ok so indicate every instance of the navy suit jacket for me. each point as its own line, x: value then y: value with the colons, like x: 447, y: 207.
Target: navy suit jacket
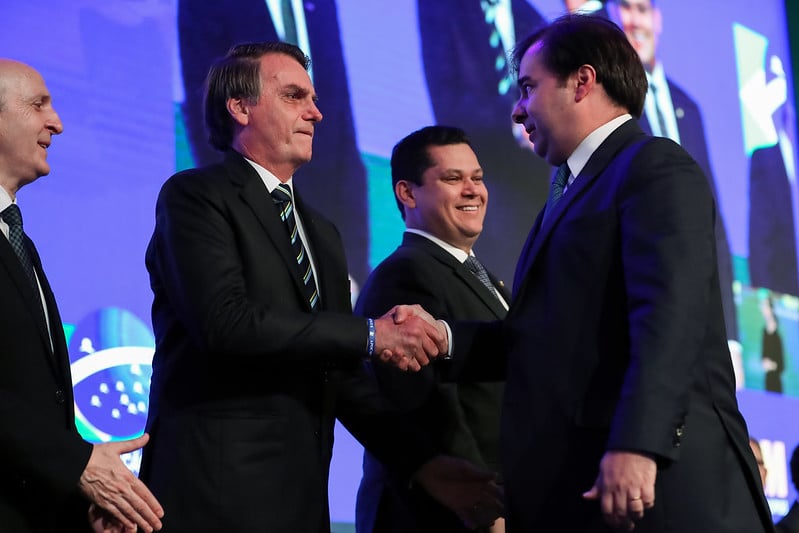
x: 43, y: 456
x: 692, y: 137
x: 247, y: 380
x: 615, y: 341
x: 772, y: 241
x: 336, y: 177
x: 463, y: 418
x: 462, y: 75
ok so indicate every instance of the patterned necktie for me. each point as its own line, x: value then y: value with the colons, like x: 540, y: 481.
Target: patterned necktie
x: 557, y: 188
x: 480, y: 272
x: 282, y: 198
x: 13, y: 217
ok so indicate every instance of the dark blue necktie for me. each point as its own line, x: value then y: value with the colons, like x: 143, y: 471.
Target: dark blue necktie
x: 557, y: 188
x: 13, y: 217
x: 282, y: 197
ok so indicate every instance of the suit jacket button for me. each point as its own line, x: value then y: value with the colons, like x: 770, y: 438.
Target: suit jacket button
x: 59, y: 397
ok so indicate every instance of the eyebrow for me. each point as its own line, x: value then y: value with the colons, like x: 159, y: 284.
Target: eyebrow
x: 293, y: 87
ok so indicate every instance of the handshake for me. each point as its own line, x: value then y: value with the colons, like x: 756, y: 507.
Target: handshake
x: 408, y: 337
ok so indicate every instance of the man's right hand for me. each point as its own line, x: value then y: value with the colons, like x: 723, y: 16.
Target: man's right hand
x: 470, y: 492
x: 408, y: 337
x: 112, y: 487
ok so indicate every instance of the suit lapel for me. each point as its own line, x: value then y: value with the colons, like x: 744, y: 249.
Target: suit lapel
x: 254, y: 193
x: 60, y: 353
x: 592, y: 171
x: 17, y: 273
x: 460, y: 270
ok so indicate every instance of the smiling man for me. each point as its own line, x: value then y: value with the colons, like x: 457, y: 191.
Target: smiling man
x: 48, y: 474
x: 439, y: 188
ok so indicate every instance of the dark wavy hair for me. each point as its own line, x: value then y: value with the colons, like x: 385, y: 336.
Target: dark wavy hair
x: 575, y: 40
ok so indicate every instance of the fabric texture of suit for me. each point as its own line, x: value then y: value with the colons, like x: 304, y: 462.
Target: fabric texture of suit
x: 457, y: 53
x: 772, y: 241
x: 789, y: 522
x: 615, y: 341
x: 43, y: 456
x: 336, y: 177
x: 463, y: 419
x: 692, y: 137
x: 247, y: 381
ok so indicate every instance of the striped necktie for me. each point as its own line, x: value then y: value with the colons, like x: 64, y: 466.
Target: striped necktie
x: 282, y: 198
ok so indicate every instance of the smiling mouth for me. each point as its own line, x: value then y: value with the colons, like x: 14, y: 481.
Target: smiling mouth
x: 469, y: 208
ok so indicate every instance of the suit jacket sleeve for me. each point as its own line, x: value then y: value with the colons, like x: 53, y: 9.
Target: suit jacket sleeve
x: 198, y: 258
x: 669, y: 268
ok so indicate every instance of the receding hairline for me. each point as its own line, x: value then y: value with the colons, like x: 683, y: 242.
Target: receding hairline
x: 11, y: 69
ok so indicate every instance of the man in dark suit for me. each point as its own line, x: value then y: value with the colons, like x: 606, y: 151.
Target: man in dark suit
x: 790, y: 522
x: 464, y: 45
x: 206, y: 30
x: 50, y: 478
x: 257, y: 350
x: 772, y: 236
x: 670, y: 112
x: 619, y: 406
x: 438, y: 183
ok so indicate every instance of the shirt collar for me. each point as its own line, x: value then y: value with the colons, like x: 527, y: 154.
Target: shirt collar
x: 5, y: 199
x: 269, y: 179
x: 456, y: 252
x: 585, y: 149
x: 657, y: 77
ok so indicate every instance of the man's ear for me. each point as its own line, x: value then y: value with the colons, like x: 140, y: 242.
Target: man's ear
x: 404, y: 191
x: 586, y: 81
x: 239, y: 110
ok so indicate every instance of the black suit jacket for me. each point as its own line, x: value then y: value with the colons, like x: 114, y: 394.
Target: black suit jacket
x: 42, y: 453
x: 615, y: 341
x: 336, y: 177
x: 772, y: 241
x: 790, y: 522
x: 692, y: 137
x: 247, y: 381
x: 456, y: 50
x: 463, y: 419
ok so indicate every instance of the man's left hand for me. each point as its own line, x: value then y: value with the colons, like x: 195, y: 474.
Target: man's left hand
x: 625, y: 488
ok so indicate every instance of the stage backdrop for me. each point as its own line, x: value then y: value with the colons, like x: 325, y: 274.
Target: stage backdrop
x: 124, y: 76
